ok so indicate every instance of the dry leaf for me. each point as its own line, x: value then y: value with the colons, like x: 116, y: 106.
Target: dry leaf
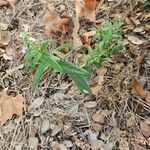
x: 138, y: 88
x: 96, y: 89
x: 53, y: 23
x: 86, y: 8
x: 131, y: 121
x: 145, y: 128
x: 90, y: 104
x: 140, y: 58
x: 135, y: 40
x: 123, y: 144
x: 86, y: 37
x: 97, y: 127
x: 4, y: 40
x: 98, y: 118
x: 9, y: 106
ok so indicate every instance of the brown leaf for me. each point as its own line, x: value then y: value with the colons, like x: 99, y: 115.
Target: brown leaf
x: 145, y: 128
x: 9, y: 106
x: 96, y: 89
x: 86, y: 37
x: 140, y: 58
x: 97, y: 127
x: 86, y: 8
x: 138, y: 88
x: 4, y: 40
x: 53, y: 23
x: 98, y: 118
x: 123, y: 144
x: 135, y: 40
x: 131, y: 121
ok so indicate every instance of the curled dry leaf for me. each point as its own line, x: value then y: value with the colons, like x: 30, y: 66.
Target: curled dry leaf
x: 9, y: 106
x: 53, y: 23
x: 138, y: 88
x: 135, y: 40
x: 86, y: 37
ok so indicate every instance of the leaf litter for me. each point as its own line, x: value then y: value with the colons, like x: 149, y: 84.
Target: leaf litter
x: 119, y: 99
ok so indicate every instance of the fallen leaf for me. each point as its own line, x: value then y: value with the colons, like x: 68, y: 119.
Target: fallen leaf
x: 138, y: 30
x: 97, y: 127
x: 53, y: 23
x: 138, y: 88
x: 37, y: 103
x: 4, y: 40
x: 98, y: 118
x: 135, y: 40
x: 123, y: 144
x: 86, y: 37
x: 10, y: 105
x: 145, y: 129
x: 86, y: 8
x: 140, y: 58
x: 135, y: 21
x: 90, y: 104
x: 96, y: 89
x: 131, y: 121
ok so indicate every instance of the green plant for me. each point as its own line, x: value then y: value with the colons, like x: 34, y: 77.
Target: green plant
x: 106, y: 41
x: 37, y: 58
x: 146, y: 3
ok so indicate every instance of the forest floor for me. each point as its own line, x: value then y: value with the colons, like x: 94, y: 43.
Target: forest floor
x: 57, y: 116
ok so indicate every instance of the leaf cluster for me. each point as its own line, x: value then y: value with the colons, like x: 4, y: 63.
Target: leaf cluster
x: 37, y: 58
x: 106, y: 42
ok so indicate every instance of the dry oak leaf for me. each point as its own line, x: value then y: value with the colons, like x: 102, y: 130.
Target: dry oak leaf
x: 9, y: 106
x: 53, y: 23
x: 86, y: 8
x: 138, y: 88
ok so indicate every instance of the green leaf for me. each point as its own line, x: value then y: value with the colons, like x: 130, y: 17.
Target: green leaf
x: 52, y: 62
x: 38, y: 74
x: 80, y: 82
x: 72, y: 68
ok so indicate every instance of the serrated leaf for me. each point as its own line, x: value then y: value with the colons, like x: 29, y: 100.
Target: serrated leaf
x: 52, y: 62
x: 38, y: 74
